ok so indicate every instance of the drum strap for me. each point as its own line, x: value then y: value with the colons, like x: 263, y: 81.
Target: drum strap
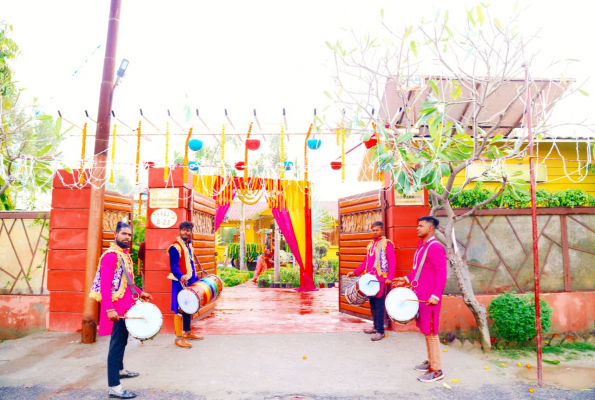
x: 130, y: 283
x: 421, y: 264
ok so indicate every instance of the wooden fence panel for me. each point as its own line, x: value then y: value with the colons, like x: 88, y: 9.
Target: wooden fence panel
x: 23, y: 252
x: 356, y: 214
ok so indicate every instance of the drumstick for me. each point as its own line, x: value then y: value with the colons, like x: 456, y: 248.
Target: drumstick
x: 125, y: 317
x: 419, y: 301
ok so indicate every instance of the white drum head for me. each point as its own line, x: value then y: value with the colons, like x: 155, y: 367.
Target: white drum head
x: 368, y: 284
x: 188, y: 301
x: 146, y: 320
x: 398, y: 307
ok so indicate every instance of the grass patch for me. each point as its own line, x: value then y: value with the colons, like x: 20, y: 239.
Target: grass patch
x: 567, y: 351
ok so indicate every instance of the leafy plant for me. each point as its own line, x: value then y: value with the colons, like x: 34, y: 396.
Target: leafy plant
x: 320, y: 248
x: 517, y: 197
x: 138, y: 236
x: 253, y: 250
x: 288, y: 275
x: 233, y: 251
x: 29, y: 139
x: 514, y: 317
x: 233, y: 277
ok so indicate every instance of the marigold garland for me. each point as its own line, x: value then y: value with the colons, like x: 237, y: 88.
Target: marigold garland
x: 223, y: 150
x: 186, y: 156
x: 166, y: 169
x: 82, y: 171
x: 137, y: 149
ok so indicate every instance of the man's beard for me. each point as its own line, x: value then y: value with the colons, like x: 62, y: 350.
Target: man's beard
x: 122, y: 244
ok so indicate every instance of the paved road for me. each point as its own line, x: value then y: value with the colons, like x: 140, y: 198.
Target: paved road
x: 272, y: 366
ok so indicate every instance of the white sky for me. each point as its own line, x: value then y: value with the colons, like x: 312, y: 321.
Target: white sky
x: 239, y: 56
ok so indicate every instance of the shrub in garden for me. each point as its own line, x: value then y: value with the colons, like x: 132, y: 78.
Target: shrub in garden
x: 514, y: 317
x: 233, y: 277
x: 519, y: 198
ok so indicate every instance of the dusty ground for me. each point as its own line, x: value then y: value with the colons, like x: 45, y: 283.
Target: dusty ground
x: 343, y: 365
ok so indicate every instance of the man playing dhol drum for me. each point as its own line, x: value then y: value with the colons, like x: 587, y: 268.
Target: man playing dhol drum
x: 114, y: 288
x: 181, y: 265
x: 428, y: 284
x: 381, y: 262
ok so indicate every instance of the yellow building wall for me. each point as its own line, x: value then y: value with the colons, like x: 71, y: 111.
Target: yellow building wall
x: 220, y: 253
x: 332, y: 253
x: 565, y: 167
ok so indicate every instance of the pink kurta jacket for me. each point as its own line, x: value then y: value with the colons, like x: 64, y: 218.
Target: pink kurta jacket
x: 431, y: 282
x: 122, y: 305
x: 367, y: 265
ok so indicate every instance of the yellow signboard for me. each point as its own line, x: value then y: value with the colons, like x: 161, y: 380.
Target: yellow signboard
x: 413, y: 199
x: 164, y: 198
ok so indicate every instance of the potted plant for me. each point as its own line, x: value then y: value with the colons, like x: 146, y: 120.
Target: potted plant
x: 253, y: 250
x: 233, y: 252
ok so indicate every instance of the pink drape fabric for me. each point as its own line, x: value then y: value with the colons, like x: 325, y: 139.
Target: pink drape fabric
x: 220, y: 213
x: 284, y: 221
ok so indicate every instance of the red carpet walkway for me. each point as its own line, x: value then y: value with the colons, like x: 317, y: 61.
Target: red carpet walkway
x: 249, y: 309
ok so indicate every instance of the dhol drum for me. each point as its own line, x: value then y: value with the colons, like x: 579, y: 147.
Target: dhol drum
x: 201, y: 293
x: 401, y: 305
x: 368, y: 284
x: 353, y: 295
x: 218, y: 282
x: 359, y: 290
x: 188, y: 301
x: 143, y: 320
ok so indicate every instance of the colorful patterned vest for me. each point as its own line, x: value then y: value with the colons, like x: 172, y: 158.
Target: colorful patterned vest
x: 118, y: 284
x: 378, y: 249
x: 186, y: 258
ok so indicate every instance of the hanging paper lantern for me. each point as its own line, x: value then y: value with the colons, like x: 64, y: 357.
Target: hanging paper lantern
x: 195, y: 144
x: 253, y: 144
x: 336, y: 165
x: 288, y: 165
x: 193, y: 165
x: 314, y: 144
x: 370, y: 142
x: 240, y: 166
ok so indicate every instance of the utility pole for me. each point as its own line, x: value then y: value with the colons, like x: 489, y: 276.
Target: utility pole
x: 535, y: 234
x: 97, y: 179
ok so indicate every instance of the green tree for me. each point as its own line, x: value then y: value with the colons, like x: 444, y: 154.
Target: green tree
x: 445, y: 123
x: 29, y: 139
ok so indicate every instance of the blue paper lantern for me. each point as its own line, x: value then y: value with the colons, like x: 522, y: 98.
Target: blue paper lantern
x: 195, y: 144
x: 193, y: 165
x: 314, y: 144
x: 288, y: 165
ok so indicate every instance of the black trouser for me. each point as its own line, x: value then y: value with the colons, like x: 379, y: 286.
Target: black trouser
x: 186, y: 318
x: 377, y: 308
x: 115, y: 357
